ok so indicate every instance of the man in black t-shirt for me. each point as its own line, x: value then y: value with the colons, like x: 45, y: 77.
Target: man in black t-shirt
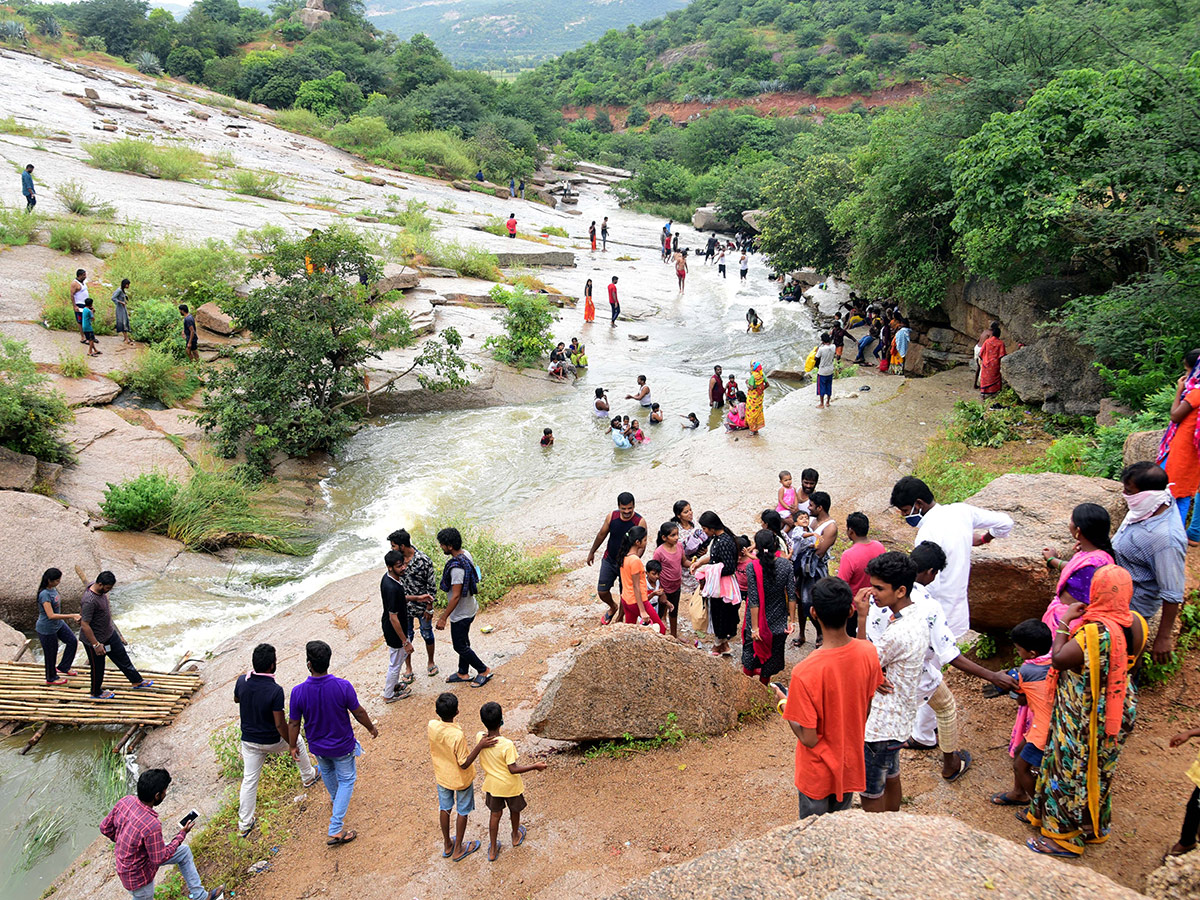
x: 264, y: 730
x: 395, y: 614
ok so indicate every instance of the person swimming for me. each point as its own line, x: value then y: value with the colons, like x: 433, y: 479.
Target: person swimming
x: 617, y: 431
x: 753, y: 322
x: 692, y: 421
x: 656, y: 414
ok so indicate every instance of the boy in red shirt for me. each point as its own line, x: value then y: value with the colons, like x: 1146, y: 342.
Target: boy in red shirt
x: 827, y: 703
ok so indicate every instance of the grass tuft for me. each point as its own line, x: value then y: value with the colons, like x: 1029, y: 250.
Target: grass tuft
x: 266, y: 185
x: 73, y: 365
x: 74, y: 197
x: 172, y: 162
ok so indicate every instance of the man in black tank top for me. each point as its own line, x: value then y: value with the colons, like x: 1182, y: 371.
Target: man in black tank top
x: 616, y: 526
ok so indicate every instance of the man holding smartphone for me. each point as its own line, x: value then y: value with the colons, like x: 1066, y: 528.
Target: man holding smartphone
x: 134, y: 828
x: 101, y: 638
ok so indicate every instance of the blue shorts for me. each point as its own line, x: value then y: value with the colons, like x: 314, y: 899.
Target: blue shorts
x: 426, y: 626
x: 1032, y: 755
x: 824, y: 385
x: 883, y: 762
x: 463, y: 801
x: 608, y: 575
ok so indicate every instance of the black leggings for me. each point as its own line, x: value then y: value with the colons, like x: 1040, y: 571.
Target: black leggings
x: 120, y: 659
x: 460, y: 637
x: 724, y: 618
x: 50, y: 644
x: 1191, y: 820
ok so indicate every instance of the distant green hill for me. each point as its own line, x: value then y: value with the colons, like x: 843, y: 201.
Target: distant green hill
x: 498, y: 34
x: 738, y: 48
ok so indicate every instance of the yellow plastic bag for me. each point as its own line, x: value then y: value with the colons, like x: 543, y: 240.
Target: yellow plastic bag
x: 698, y: 610
x: 811, y: 362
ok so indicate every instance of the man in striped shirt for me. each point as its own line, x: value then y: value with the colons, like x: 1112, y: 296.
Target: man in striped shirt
x: 133, y: 826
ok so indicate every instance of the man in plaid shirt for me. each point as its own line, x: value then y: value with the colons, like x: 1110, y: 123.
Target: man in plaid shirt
x: 134, y: 827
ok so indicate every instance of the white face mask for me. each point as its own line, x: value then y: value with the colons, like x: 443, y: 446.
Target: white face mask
x: 1144, y: 504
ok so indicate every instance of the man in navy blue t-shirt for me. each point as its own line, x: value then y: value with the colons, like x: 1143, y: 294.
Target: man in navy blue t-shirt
x: 264, y: 730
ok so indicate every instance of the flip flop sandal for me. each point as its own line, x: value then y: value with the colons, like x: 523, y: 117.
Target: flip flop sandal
x: 70, y: 672
x: 56, y: 682
x: 521, y: 837
x: 143, y: 685
x: 964, y: 757
x: 470, y: 848
x: 446, y: 854
x: 1002, y: 799
x: 340, y: 839
x: 1023, y: 816
x: 432, y: 670
x: 910, y: 744
x: 457, y: 679
x: 492, y: 858
x: 107, y: 695
x: 1037, y: 846
x: 408, y: 678
x: 481, y: 680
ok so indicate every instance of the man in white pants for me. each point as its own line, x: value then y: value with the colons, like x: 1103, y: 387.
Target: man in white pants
x: 264, y: 730
x: 956, y: 528
x: 395, y: 614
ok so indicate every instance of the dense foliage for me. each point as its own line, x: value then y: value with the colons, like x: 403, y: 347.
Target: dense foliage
x: 31, y: 418
x: 527, y: 318
x: 315, y: 330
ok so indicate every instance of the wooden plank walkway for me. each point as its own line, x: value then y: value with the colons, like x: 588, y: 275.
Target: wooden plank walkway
x: 25, y: 697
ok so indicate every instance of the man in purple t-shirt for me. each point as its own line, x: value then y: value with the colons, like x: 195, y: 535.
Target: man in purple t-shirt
x: 325, y: 703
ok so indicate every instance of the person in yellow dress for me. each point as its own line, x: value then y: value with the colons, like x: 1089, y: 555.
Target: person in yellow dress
x: 755, y: 389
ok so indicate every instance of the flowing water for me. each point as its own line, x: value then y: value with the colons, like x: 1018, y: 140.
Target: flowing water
x: 416, y: 470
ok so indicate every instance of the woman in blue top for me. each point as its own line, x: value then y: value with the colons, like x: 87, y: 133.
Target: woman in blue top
x: 52, y: 627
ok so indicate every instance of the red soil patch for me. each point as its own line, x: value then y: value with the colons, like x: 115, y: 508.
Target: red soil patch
x: 782, y: 104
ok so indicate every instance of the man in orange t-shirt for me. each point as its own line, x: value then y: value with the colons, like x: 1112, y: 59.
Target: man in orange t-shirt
x: 827, y: 703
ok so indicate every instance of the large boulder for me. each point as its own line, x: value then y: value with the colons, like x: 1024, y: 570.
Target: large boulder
x: 1009, y: 578
x: 1142, y: 446
x: 12, y: 642
x: 753, y: 218
x: 855, y: 855
x: 706, y: 218
x: 37, y: 533
x: 1178, y: 878
x: 648, y: 677
x: 1055, y: 371
x: 18, y: 471
x: 212, y: 318
x: 396, y: 278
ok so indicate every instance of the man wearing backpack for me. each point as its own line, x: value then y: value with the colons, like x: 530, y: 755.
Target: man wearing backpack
x: 460, y: 582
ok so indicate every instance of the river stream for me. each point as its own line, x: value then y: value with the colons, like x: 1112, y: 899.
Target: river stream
x: 417, y: 470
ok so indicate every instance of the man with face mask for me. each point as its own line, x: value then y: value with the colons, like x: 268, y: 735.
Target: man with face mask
x: 956, y: 528
x: 1152, y: 545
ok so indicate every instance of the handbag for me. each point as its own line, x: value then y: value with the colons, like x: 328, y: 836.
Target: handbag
x: 698, y: 610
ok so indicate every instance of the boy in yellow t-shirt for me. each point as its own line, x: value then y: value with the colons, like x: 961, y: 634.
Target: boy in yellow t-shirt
x: 502, y: 783
x: 1191, y: 816
x: 454, y: 769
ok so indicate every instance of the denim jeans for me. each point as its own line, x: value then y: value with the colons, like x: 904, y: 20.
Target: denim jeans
x: 460, y: 637
x: 426, y: 626
x: 339, y: 774
x: 253, y: 757
x: 1193, y: 504
x: 50, y: 643
x: 187, y: 870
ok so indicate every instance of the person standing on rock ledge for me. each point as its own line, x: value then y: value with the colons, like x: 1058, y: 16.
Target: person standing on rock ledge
x: 956, y: 528
x: 615, y: 527
x: 613, y: 301
x: 102, y: 639
x: 191, y: 340
x: 420, y: 588
x: 460, y: 582
x: 511, y: 225
x: 27, y: 188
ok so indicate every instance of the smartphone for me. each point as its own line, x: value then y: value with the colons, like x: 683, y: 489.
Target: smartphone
x: 779, y: 684
x: 188, y: 819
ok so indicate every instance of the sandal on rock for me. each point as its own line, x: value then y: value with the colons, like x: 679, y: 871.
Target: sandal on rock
x: 457, y: 679
x: 344, y: 838
x: 432, y: 670
x: 408, y: 678
x: 964, y: 757
x: 1041, y: 845
x: 468, y: 848
x: 481, y: 679
x: 1002, y: 799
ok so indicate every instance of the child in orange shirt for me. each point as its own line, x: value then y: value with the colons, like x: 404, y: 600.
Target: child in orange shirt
x: 1033, y: 640
x: 635, y: 591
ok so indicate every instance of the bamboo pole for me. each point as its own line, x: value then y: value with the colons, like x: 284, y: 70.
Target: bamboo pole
x: 37, y: 736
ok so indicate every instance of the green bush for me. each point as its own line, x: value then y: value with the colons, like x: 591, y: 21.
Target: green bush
x: 527, y: 319
x: 360, y: 133
x: 73, y: 365
x: 1064, y: 456
x: 978, y: 426
x: 165, y: 267
x: 418, y: 149
x: 17, y: 227
x: 504, y: 566
x: 412, y: 217
x: 77, y: 237
x: 267, y: 185
x: 93, y: 43
x: 140, y: 504
x: 75, y: 198
x: 158, y: 324
x: 31, y: 417
x: 155, y: 375
x: 554, y: 230
x: 301, y: 121
x: 172, y: 162
x: 467, y: 260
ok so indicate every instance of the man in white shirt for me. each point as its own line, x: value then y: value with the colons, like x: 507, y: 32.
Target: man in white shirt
x: 826, y: 366
x: 956, y: 528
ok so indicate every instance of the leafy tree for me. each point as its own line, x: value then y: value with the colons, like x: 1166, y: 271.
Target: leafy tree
x: 121, y: 23
x: 527, y: 320
x: 314, y: 334
x: 798, y: 229
x: 636, y: 116
x: 418, y: 62
x: 31, y: 417
x: 331, y: 94
x: 448, y: 104
x: 186, y: 62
